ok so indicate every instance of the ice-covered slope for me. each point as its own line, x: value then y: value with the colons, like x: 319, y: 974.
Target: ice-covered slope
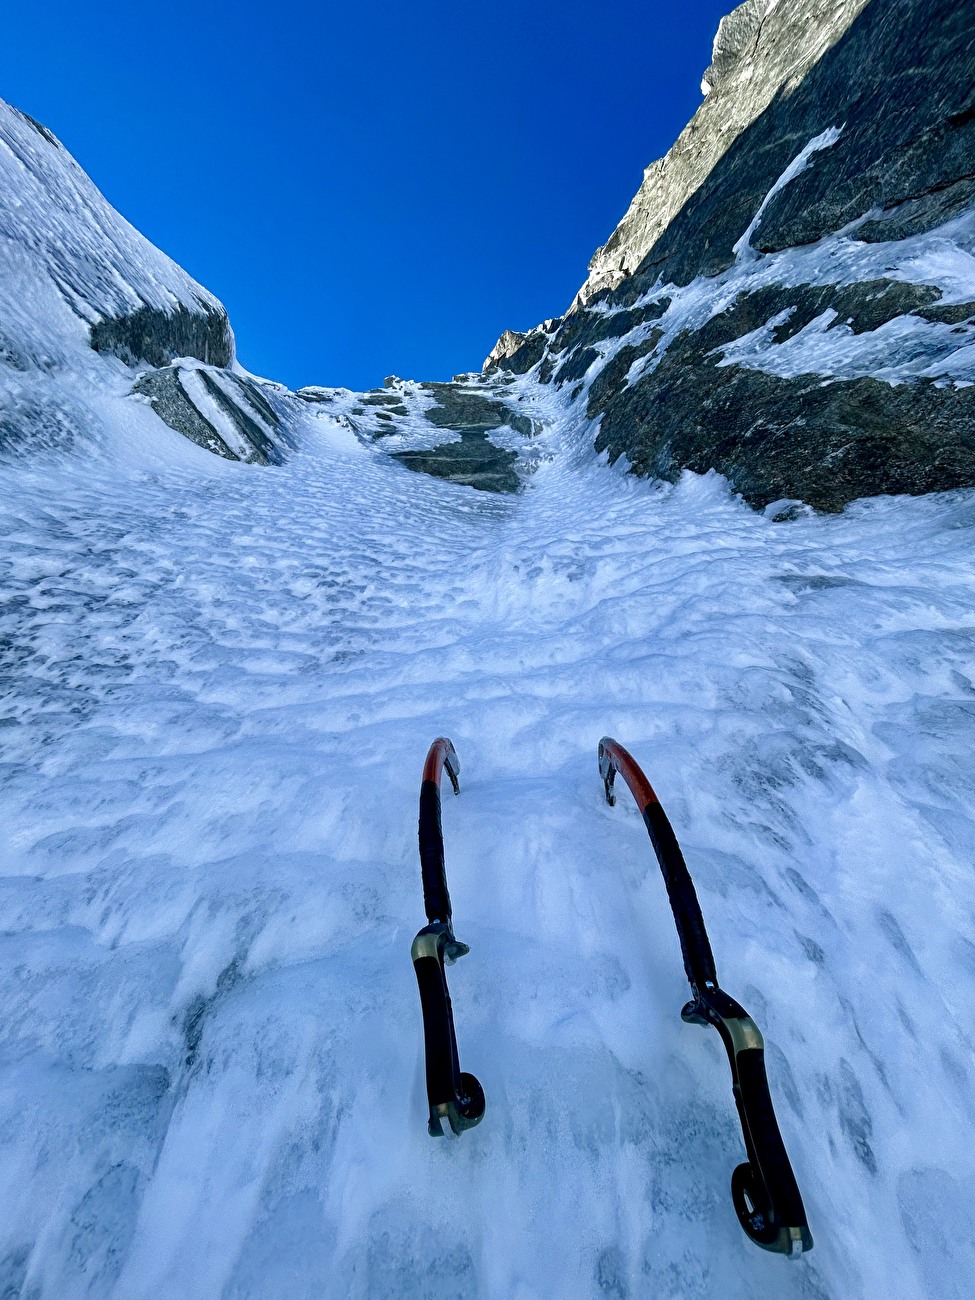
x: 219, y: 685
x: 219, y: 682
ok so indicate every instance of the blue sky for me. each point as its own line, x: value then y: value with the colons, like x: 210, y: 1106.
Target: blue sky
x: 369, y: 188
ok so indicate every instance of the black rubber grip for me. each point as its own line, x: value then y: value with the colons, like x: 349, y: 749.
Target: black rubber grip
x: 439, y: 1039
x: 436, y: 899
x: 694, y: 943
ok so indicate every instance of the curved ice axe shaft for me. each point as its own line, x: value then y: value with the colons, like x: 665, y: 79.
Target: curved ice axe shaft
x: 764, y: 1191
x: 455, y: 1098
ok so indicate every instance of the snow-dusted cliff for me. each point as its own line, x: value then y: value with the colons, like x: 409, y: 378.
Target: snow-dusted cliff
x: 791, y: 298
x: 762, y: 49
x: 123, y: 294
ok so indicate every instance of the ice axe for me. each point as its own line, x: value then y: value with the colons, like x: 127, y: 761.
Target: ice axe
x: 456, y: 1099
x: 764, y: 1190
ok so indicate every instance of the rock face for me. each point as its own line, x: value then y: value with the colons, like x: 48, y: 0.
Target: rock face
x: 467, y: 411
x: 474, y: 461
x: 519, y: 352
x: 898, y: 89
x: 763, y: 48
x: 157, y: 337
x: 791, y: 297
x: 793, y: 437
x: 219, y: 411
x: 468, y: 431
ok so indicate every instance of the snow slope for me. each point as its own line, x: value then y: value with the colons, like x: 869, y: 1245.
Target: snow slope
x: 219, y: 686
x: 69, y: 233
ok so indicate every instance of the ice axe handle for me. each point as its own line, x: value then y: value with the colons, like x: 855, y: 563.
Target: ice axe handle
x: 764, y: 1191
x: 456, y: 1099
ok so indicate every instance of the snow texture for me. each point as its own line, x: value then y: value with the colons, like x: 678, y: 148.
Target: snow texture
x: 219, y: 686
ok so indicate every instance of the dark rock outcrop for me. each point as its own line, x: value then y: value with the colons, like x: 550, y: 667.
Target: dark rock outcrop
x: 390, y: 401
x: 825, y: 444
x: 780, y: 436
x: 466, y: 407
x: 459, y: 408
x: 474, y: 461
x: 218, y: 410
x: 516, y: 352
x: 611, y: 380
x: 153, y: 337
x: 584, y: 329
